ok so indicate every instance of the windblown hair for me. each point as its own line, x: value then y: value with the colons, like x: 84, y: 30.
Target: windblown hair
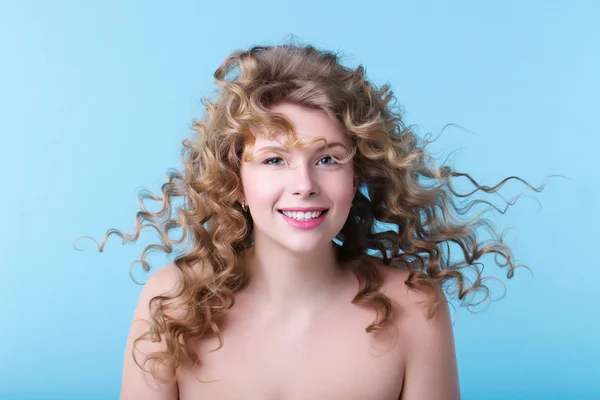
x: 404, y: 212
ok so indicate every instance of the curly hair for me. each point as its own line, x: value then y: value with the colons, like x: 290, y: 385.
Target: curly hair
x: 396, y: 219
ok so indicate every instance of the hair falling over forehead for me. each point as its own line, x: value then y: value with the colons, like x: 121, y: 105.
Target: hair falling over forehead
x: 296, y: 143
x: 404, y: 212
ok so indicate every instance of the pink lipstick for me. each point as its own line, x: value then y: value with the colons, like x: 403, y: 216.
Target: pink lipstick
x: 307, y: 224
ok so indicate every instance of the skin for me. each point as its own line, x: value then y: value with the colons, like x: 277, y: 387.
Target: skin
x: 293, y: 271
x: 293, y: 332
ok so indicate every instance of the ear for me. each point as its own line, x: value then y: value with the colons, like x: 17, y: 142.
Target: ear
x: 240, y: 197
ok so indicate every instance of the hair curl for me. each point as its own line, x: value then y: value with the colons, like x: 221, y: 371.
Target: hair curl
x: 395, y: 214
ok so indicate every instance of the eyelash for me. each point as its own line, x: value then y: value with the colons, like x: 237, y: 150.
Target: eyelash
x: 268, y: 160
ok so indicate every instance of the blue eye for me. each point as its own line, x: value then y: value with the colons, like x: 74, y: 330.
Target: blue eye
x: 274, y: 161
x: 332, y: 161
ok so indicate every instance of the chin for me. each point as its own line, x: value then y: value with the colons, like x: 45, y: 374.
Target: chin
x: 305, y: 246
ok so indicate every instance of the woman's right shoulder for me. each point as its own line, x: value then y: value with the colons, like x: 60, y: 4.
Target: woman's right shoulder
x: 160, y: 283
x: 165, y: 277
x: 135, y: 385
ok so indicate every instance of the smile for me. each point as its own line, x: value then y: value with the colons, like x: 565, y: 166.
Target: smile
x: 303, y: 220
x: 303, y: 216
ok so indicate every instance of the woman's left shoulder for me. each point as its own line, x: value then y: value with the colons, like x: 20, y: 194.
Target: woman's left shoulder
x: 410, y: 300
x: 424, y: 322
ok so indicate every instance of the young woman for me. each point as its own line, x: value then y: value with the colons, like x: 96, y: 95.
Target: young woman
x: 316, y: 254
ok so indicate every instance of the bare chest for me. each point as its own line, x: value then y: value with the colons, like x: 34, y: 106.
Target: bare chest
x: 332, y: 358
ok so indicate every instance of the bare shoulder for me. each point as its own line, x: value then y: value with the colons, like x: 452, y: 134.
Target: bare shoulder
x: 395, y: 288
x: 164, y: 279
x: 407, y: 299
x: 135, y: 384
x: 161, y: 282
x: 429, y: 338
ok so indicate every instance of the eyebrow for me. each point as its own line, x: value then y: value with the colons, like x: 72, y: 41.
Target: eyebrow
x: 284, y: 150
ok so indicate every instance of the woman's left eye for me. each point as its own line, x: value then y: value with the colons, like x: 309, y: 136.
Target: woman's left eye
x: 329, y: 159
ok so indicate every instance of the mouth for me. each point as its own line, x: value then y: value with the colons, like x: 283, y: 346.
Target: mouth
x: 303, y: 216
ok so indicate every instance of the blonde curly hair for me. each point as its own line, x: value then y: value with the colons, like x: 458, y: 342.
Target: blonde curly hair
x: 395, y: 215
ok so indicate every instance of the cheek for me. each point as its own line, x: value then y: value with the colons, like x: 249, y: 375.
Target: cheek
x: 349, y: 192
x: 341, y: 189
x: 257, y: 187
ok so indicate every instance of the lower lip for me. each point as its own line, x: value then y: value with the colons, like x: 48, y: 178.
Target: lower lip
x: 308, y: 224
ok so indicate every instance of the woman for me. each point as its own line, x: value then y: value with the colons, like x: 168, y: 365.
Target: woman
x: 316, y: 253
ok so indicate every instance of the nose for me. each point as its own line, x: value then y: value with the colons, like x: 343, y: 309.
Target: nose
x: 303, y: 181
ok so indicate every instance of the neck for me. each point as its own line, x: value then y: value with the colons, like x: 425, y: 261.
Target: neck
x: 283, y: 283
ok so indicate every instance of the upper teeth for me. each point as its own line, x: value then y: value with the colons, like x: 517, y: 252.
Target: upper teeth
x: 299, y: 215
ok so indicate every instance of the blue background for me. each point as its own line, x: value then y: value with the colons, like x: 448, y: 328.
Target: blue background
x: 95, y: 99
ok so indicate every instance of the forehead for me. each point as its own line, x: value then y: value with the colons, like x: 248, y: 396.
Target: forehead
x: 308, y: 124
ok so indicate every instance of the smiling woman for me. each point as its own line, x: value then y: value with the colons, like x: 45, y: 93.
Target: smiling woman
x: 291, y: 289
x: 313, y: 178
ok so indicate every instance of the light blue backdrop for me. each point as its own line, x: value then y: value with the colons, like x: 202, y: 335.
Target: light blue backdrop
x: 95, y: 99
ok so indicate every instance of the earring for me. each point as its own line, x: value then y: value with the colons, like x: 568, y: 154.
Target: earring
x: 244, y: 206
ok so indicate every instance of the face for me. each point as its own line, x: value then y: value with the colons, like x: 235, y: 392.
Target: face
x: 280, y: 182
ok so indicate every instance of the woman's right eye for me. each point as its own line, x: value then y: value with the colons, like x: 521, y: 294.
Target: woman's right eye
x: 274, y: 161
